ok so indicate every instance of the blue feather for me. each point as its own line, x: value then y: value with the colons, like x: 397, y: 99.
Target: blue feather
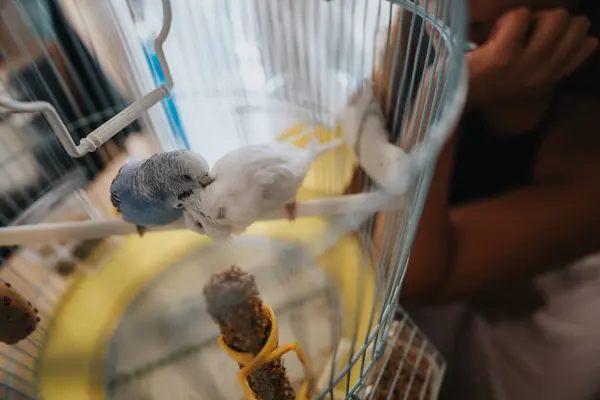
x: 144, y: 192
x: 147, y: 209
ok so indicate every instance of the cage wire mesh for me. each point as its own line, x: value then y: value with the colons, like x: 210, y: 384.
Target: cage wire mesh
x: 245, y: 71
x: 42, y: 58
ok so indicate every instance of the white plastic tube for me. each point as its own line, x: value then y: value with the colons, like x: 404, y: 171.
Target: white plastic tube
x: 326, y: 207
x: 113, y: 126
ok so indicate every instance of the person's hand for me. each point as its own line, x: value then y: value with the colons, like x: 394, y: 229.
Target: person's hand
x: 527, y: 54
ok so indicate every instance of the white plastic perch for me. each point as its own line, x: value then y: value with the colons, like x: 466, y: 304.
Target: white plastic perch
x: 113, y: 126
x: 364, y: 131
x: 331, y: 206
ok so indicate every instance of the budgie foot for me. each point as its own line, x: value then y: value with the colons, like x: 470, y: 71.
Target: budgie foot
x: 141, y: 230
x: 290, y: 210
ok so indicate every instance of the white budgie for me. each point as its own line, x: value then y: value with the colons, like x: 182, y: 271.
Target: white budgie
x: 252, y: 181
x: 364, y: 131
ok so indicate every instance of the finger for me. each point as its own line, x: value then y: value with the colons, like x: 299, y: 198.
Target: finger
x: 510, y: 33
x: 505, y: 43
x: 572, y: 43
x: 589, y: 47
x: 549, y: 27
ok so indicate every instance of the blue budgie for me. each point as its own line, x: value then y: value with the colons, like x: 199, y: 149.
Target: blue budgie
x: 150, y: 192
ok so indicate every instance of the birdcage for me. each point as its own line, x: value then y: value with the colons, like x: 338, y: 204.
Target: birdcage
x: 88, y: 85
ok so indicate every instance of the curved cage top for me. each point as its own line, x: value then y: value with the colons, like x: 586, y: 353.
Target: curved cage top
x: 248, y: 71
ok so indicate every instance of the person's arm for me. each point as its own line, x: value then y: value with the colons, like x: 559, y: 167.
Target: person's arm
x: 468, y: 251
x: 519, y: 235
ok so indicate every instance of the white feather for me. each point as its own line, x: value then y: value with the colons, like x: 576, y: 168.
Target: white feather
x: 252, y: 181
x: 192, y: 223
x: 196, y: 221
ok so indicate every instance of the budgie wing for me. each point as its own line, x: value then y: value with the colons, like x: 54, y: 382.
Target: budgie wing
x: 253, y: 181
x: 279, y: 185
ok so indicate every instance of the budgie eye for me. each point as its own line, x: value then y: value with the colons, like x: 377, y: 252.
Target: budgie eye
x: 187, y: 178
x: 179, y: 205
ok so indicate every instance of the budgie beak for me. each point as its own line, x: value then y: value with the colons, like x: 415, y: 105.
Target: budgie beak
x: 206, y: 180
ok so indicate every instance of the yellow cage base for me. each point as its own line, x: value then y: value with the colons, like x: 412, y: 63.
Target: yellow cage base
x: 73, y: 362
